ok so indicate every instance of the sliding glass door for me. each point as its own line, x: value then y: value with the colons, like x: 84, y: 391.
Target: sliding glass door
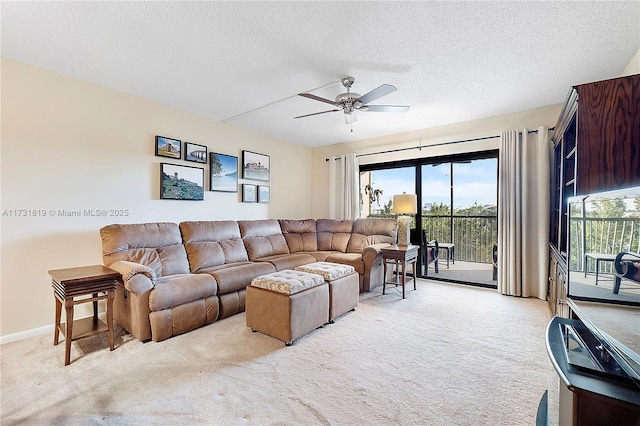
x: 457, y: 198
x: 460, y: 212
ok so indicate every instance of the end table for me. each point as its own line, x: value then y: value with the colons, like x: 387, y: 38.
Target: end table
x: 88, y: 284
x: 399, y: 256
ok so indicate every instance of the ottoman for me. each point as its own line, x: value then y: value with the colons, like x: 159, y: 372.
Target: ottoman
x: 344, y: 285
x: 287, y: 304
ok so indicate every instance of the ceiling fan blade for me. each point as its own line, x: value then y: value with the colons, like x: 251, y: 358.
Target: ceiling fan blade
x: 379, y: 92
x: 316, y: 113
x: 385, y: 108
x: 317, y: 98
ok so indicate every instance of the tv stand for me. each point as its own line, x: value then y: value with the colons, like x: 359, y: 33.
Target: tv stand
x: 590, y: 394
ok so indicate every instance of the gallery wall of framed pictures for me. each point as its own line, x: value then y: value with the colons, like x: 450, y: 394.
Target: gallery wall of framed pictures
x: 182, y: 182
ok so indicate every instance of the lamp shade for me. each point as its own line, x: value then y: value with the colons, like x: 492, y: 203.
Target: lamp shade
x: 405, y: 203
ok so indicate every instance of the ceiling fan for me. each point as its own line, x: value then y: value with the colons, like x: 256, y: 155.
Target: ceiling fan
x: 350, y: 102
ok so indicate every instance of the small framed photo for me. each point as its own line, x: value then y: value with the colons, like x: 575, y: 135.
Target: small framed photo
x: 181, y: 182
x: 194, y: 152
x: 223, y: 171
x: 248, y: 193
x: 167, y: 147
x: 255, y: 166
x: 264, y: 195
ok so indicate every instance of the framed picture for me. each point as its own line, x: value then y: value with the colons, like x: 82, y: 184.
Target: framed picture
x: 167, y: 147
x: 264, y: 195
x: 248, y: 193
x: 195, y: 152
x: 224, y: 172
x: 181, y: 182
x: 255, y: 166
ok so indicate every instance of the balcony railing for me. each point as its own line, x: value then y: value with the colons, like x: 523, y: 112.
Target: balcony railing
x: 473, y: 236
x: 602, y: 235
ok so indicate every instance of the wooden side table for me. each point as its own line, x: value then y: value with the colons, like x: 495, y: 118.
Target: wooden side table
x: 88, y: 284
x: 399, y: 257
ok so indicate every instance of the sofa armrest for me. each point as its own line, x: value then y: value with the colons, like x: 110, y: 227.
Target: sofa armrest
x: 373, y: 268
x: 131, y: 307
x: 129, y: 270
x: 369, y: 253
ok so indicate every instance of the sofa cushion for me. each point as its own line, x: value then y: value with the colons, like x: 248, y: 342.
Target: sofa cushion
x: 333, y: 235
x: 237, y: 276
x: 262, y: 238
x: 288, y: 261
x: 212, y: 243
x: 156, y: 245
x: 369, y: 231
x: 320, y: 256
x: 299, y: 234
x: 178, y: 289
x: 353, y: 259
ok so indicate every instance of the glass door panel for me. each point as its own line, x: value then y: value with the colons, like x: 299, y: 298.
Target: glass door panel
x: 436, y: 201
x: 459, y: 210
x: 475, y: 212
x: 377, y: 188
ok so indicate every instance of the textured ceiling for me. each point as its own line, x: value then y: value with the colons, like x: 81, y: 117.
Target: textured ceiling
x: 244, y: 62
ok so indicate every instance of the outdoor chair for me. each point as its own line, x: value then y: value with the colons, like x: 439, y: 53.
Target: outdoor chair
x: 626, y: 269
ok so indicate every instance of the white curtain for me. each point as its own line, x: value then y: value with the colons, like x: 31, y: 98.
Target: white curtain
x: 523, y: 213
x: 344, y: 187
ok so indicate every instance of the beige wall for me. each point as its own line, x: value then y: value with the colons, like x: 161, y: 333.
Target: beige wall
x: 68, y: 144
x: 633, y: 67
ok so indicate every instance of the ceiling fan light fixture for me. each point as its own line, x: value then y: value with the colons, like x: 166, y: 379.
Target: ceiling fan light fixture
x: 350, y: 117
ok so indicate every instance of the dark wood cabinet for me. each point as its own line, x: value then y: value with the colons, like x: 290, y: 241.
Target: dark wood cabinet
x: 596, y: 148
x: 564, y: 169
x: 608, y: 135
x: 596, y: 145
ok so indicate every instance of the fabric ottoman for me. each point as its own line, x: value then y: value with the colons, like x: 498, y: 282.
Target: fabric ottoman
x: 344, y: 285
x: 287, y: 304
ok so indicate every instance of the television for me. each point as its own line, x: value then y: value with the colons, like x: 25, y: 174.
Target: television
x: 602, y: 227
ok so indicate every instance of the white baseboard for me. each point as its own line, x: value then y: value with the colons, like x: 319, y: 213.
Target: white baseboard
x: 26, y: 334
x: 37, y: 331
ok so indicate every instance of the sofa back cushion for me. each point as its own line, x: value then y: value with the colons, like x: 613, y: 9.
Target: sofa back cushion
x: 299, y: 234
x: 212, y: 243
x: 333, y: 235
x: 368, y: 231
x: 262, y: 238
x: 157, y: 245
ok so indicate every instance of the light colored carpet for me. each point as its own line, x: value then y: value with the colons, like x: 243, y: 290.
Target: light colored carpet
x: 446, y: 355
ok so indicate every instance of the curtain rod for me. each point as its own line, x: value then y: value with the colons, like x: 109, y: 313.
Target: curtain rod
x: 389, y: 151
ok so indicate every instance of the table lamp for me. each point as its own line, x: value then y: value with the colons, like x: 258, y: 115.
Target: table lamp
x: 404, y: 204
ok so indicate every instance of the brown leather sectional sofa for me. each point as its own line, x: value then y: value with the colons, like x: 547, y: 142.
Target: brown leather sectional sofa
x: 176, y: 278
